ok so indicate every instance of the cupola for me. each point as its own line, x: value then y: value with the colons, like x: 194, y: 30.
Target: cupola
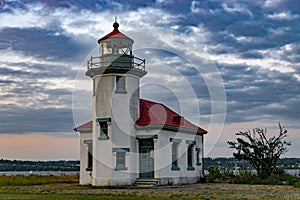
x: 115, y: 55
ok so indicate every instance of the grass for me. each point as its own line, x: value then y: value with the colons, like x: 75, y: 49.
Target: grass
x: 20, y: 180
x: 69, y: 197
x: 67, y: 188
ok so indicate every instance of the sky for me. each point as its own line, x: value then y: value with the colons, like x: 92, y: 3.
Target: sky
x: 224, y: 65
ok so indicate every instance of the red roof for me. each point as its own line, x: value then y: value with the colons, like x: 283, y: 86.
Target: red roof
x: 157, y: 114
x: 85, y: 126
x: 153, y: 113
x: 115, y: 34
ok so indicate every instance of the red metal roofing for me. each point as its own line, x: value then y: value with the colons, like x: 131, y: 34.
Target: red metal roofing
x: 153, y: 113
x: 115, y: 34
x: 85, y: 126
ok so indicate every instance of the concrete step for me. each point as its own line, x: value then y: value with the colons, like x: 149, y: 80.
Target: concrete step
x: 149, y: 180
x: 146, y: 183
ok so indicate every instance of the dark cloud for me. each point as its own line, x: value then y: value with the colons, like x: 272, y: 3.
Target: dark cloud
x: 41, y: 43
x: 12, y: 72
x: 9, y: 6
x: 5, y: 82
x: 26, y: 120
x: 95, y: 5
x: 251, y: 54
x: 69, y: 4
x: 37, y: 71
x: 248, y: 29
x: 253, y: 93
x: 250, y: 20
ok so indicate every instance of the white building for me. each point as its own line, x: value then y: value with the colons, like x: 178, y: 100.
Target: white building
x: 131, y: 138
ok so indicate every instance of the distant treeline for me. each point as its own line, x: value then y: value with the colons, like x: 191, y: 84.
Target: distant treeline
x: 19, y: 165
x: 285, y: 163
x: 73, y: 165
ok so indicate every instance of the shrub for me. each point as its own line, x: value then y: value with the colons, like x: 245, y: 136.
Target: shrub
x: 214, y: 174
x: 218, y: 174
x: 244, y: 178
x: 274, y: 179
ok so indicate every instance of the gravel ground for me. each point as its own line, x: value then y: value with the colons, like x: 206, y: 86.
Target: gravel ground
x: 196, y: 191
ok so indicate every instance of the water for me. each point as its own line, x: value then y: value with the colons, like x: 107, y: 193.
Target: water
x: 41, y: 173
x: 294, y: 172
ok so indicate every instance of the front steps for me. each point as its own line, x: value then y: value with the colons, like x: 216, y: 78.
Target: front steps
x: 146, y: 183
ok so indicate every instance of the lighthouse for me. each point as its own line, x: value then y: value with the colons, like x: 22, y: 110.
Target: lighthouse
x: 130, y: 140
x: 116, y: 74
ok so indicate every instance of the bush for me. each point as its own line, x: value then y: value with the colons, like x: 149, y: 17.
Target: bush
x: 217, y: 174
x: 224, y: 175
x: 274, y: 179
x: 244, y: 178
x: 214, y: 174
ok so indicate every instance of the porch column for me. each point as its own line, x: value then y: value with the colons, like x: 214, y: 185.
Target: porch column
x: 137, y: 158
x: 156, y: 158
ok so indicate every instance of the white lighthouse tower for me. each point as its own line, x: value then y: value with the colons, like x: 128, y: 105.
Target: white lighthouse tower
x: 116, y: 76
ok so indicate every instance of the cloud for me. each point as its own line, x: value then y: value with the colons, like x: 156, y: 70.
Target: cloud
x: 40, y: 43
x: 255, y: 46
x: 254, y: 94
x: 26, y: 120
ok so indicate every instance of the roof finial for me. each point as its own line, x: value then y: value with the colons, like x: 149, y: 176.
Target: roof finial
x: 116, y: 25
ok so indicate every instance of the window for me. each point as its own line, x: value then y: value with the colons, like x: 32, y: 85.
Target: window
x: 198, y: 150
x: 175, y: 147
x: 103, y: 130
x: 190, y: 157
x: 94, y: 86
x: 133, y: 105
x: 103, y: 123
x: 120, y: 84
x: 190, y: 153
x: 121, y: 158
x: 89, y: 155
x: 175, y: 157
x: 106, y: 48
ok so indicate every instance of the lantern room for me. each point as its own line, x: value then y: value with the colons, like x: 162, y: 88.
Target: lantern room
x: 115, y: 53
x: 115, y: 43
x: 116, y: 49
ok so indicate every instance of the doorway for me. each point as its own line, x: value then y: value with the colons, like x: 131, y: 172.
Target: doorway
x: 146, y: 150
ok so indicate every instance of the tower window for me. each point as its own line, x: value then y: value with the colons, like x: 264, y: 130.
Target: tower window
x: 103, y: 130
x: 103, y: 123
x: 120, y: 84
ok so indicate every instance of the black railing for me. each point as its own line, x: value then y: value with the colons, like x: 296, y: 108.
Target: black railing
x: 134, y: 62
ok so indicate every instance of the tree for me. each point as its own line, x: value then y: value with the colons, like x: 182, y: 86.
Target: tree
x: 261, y: 152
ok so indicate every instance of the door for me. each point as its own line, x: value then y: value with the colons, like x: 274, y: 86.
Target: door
x: 146, y: 159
